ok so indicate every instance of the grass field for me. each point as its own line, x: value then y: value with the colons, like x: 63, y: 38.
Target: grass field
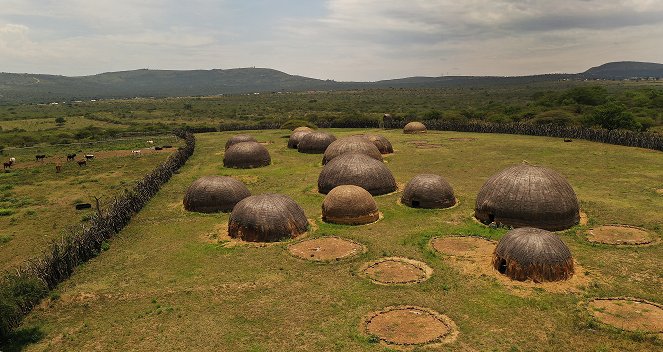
x: 170, y: 282
x: 71, y: 123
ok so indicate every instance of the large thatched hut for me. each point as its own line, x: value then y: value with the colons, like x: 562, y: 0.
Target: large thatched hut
x: 414, y: 127
x: 381, y: 142
x: 295, y: 138
x: 533, y: 254
x: 211, y: 194
x: 354, y: 144
x: 315, y: 142
x: 267, y: 218
x: 239, y: 138
x: 303, y: 129
x: 246, y: 155
x: 349, y: 205
x: 526, y: 195
x: 359, y: 170
x: 428, y: 191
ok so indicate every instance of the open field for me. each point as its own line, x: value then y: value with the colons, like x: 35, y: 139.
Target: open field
x: 172, y: 281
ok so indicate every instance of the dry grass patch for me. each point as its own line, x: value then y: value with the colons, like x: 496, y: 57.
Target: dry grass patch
x: 620, y: 235
x: 629, y: 314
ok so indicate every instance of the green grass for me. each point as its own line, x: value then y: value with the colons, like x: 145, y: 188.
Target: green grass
x: 162, y: 286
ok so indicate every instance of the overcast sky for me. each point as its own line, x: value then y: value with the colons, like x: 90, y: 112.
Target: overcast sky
x: 334, y: 39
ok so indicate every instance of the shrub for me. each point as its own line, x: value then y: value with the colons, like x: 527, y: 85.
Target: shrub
x: 554, y: 117
x: 17, y: 296
x: 592, y: 95
x: 613, y: 116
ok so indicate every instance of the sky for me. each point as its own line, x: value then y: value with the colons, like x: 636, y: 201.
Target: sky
x: 344, y: 40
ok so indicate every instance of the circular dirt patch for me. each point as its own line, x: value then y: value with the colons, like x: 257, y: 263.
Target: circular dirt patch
x: 466, y: 139
x: 628, y: 314
x: 620, y: 234
x: 326, y: 249
x: 408, y: 325
x: 396, y: 270
x: 660, y: 191
x: 463, y: 246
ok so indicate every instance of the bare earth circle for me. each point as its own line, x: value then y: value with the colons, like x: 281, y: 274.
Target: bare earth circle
x: 628, y: 314
x: 617, y: 234
x: 463, y: 139
x: 325, y: 249
x: 463, y: 245
x: 409, y: 326
x: 396, y: 270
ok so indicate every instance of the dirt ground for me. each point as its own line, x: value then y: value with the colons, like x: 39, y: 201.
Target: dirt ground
x: 628, y: 314
x: 620, y: 235
x: 326, y: 249
x: 397, y: 270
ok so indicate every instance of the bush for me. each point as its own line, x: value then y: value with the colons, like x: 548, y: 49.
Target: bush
x: 554, y: 117
x: 292, y: 124
x: 593, y: 95
x: 613, y: 116
x: 17, y: 296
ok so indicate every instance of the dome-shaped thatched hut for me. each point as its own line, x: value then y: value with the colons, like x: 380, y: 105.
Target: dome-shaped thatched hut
x: 267, y: 218
x: 303, y: 129
x: 428, y: 191
x: 533, y: 254
x: 246, y: 155
x: 381, y: 142
x: 353, y: 144
x: 414, y: 127
x: 295, y: 138
x: 359, y: 170
x: 526, y: 195
x: 211, y: 194
x: 315, y: 142
x: 349, y: 205
x: 239, y: 138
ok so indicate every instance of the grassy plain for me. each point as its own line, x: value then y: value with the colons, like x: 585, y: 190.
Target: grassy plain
x: 169, y: 283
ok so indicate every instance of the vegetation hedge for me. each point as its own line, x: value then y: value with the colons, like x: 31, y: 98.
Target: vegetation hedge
x: 21, y: 290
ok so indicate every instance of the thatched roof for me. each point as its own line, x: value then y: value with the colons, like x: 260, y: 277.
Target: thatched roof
x: 414, y: 127
x: 349, y: 205
x: 315, y: 142
x: 295, y: 138
x: 239, y: 138
x: 303, y: 129
x: 526, y: 195
x: 381, y: 142
x: 428, y: 191
x: 267, y: 218
x: 211, y: 194
x: 354, y: 144
x: 246, y: 155
x: 533, y: 254
x: 359, y: 170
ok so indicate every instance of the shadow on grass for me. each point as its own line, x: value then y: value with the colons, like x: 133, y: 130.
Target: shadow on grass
x: 21, y: 338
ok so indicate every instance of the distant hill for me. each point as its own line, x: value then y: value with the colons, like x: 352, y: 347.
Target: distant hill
x: 24, y: 87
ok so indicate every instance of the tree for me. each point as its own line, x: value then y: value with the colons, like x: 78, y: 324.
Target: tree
x: 60, y: 120
x: 613, y: 116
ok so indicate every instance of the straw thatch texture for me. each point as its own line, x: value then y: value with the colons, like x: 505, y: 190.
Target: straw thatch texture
x: 303, y: 129
x: 267, y: 218
x: 315, y: 142
x: 381, y: 142
x: 239, y: 138
x: 211, y: 194
x: 526, y: 195
x: 246, y: 155
x: 295, y: 138
x: 414, y: 127
x: 349, y: 205
x: 354, y: 144
x: 359, y: 170
x: 428, y: 191
x: 533, y: 254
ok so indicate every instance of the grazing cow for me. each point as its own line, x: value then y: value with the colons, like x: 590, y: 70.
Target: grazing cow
x: 58, y: 168
x: 82, y: 162
x: 40, y: 157
x: 7, y: 165
x: 71, y: 157
x: 158, y: 148
x: 135, y: 152
x: 81, y: 206
x: 150, y: 142
x: 89, y: 156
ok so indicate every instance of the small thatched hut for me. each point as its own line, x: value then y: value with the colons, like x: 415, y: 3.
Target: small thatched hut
x: 354, y: 144
x: 239, y: 138
x: 381, y: 142
x: 414, y: 127
x: 428, y: 191
x: 267, y: 218
x: 315, y: 142
x: 246, y: 155
x: 349, y: 205
x: 303, y: 129
x: 296, y: 137
x: 526, y: 195
x: 533, y: 254
x: 211, y: 194
x: 359, y: 170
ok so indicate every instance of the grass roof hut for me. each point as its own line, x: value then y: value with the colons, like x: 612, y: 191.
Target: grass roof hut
x: 354, y: 144
x: 239, y: 138
x: 267, y: 218
x: 533, y: 254
x: 526, y: 195
x: 428, y: 191
x: 212, y: 194
x: 303, y: 129
x: 246, y: 155
x: 381, y: 142
x: 315, y: 142
x: 349, y: 205
x: 359, y: 170
x: 296, y: 137
x: 414, y: 127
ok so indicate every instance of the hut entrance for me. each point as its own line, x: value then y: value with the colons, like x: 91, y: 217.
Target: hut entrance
x: 415, y: 204
x: 491, y: 218
x: 502, y: 266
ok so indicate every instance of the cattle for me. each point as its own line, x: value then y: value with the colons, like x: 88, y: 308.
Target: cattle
x: 89, y: 156
x: 158, y: 148
x: 71, y: 157
x: 135, y: 152
x: 58, y: 168
x: 7, y: 165
x: 40, y: 157
x: 82, y: 162
x: 150, y: 142
x: 167, y: 146
x: 12, y: 160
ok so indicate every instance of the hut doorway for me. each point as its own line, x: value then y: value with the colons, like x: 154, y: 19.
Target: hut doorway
x: 502, y: 266
x: 491, y: 218
x: 415, y: 204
